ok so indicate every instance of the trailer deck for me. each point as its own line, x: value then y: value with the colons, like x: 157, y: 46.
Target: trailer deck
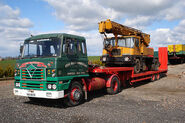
x: 127, y: 73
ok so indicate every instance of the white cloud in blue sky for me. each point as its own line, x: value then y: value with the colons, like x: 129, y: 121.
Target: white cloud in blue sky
x: 164, y: 20
x: 13, y: 29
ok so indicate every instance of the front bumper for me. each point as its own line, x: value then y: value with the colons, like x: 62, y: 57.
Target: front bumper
x: 126, y: 59
x: 39, y: 94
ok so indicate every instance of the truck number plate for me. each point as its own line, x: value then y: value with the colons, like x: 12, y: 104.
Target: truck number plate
x: 30, y: 94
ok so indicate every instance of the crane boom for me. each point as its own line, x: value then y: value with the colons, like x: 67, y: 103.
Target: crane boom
x: 119, y: 29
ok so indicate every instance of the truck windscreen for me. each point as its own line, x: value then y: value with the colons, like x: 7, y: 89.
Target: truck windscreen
x: 42, y: 48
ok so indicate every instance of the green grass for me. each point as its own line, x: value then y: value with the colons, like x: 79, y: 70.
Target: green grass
x: 5, y: 64
x: 94, y: 58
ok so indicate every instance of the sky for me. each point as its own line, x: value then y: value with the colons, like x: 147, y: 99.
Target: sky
x: 164, y: 20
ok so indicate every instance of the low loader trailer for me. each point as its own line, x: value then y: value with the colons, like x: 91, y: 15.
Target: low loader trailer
x: 55, y: 66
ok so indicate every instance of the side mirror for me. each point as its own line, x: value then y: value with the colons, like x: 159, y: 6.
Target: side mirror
x: 21, y: 48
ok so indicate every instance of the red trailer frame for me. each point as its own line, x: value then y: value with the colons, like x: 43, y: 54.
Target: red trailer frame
x: 127, y: 73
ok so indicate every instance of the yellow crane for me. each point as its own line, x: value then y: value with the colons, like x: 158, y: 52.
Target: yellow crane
x: 127, y: 47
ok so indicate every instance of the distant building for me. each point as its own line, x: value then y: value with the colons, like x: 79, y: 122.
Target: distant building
x: 1, y: 59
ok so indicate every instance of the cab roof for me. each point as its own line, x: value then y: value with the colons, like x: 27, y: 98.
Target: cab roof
x: 53, y: 35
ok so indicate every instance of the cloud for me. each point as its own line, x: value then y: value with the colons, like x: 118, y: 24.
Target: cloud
x: 81, y: 14
x: 82, y: 17
x: 175, y: 12
x: 139, y: 7
x: 13, y: 30
x: 85, y: 14
x: 139, y: 22
x: 162, y: 37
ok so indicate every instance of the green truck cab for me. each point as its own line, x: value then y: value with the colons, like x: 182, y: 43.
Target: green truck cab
x: 48, y: 63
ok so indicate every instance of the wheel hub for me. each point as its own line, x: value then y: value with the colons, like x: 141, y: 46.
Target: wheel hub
x: 76, y: 94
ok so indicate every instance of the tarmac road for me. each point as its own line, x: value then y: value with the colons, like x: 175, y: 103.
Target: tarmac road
x: 148, y: 102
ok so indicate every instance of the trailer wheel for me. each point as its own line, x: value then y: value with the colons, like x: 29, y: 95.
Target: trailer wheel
x: 157, y: 76
x: 137, y: 66
x: 75, y: 95
x: 153, y: 78
x: 114, y: 87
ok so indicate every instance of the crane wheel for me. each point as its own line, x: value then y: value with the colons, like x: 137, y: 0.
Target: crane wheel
x: 137, y: 66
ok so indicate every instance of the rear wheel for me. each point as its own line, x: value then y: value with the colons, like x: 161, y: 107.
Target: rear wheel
x: 157, y: 76
x: 75, y: 95
x: 114, y: 87
x: 137, y: 66
x: 153, y: 78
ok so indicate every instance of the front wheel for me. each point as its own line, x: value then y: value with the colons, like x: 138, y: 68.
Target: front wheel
x: 137, y: 66
x: 114, y: 87
x: 75, y: 95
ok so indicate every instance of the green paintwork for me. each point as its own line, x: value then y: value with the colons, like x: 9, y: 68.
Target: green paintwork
x: 67, y: 67
x: 177, y: 53
x: 58, y: 35
x: 156, y: 54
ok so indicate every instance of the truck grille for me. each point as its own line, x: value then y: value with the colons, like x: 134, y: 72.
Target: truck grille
x: 36, y: 74
x: 116, y: 52
x: 33, y: 85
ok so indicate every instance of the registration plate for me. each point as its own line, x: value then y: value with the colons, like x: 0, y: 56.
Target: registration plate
x: 31, y: 94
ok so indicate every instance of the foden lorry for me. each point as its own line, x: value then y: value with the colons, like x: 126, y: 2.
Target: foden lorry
x: 176, y: 53
x: 127, y: 47
x: 55, y: 66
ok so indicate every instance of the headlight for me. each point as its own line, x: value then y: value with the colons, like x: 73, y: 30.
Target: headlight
x: 126, y: 59
x: 49, y: 86
x: 54, y: 86
x: 104, y: 59
x: 17, y: 84
x: 53, y: 75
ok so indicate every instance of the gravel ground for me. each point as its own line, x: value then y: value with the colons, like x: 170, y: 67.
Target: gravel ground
x: 159, y: 101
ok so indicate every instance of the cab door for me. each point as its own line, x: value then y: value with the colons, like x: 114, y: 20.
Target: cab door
x: 137, y: 47
x: 82, y: 60
x: 69, y: 57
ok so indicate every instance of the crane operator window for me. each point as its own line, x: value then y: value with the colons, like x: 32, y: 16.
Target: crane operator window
x: 109, y: 41
x: 126, y: 42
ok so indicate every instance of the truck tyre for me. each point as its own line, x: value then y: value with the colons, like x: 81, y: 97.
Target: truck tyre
x: 114, y: 86
x: 157, y: 76
x: 137, y: 66
x: 75, y: 95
